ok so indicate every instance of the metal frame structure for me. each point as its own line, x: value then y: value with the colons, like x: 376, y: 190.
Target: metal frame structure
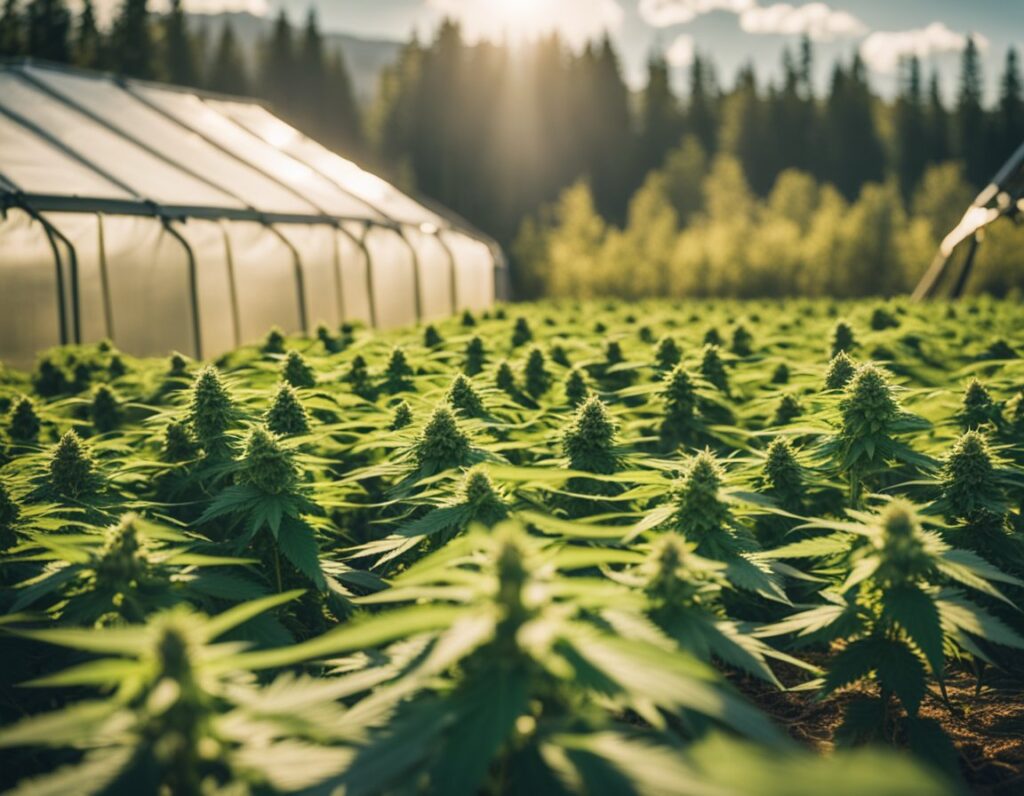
x: 1003, y: 197
x: 354, y: 228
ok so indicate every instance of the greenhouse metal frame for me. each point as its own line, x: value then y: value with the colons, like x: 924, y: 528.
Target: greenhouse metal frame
x: 167, y: 219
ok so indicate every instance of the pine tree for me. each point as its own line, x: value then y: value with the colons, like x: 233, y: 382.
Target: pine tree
x: 227, y: 70
x: 12, y: 29
x: 131, y: 41
x: 936, y: 142
x: 661, y: 122
x: 278, y: 66
x: 180, y: 63
x: 1010, y: 112
x: 970, y: 116
x: 344, y: 122
x: 49, y: 26
x: 909, y: 123
x: 88, y: 43
x: 609, y: 167
x: 701, y: 112
x: 855, y: 154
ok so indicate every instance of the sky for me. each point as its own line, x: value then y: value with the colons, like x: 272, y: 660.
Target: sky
x: 731, y: 31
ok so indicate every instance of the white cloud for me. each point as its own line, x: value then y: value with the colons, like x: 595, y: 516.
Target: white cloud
x: 819, y: 21
x: 665, y: 13
x: 577, y: 21
x: 680, y: 52
x: 883, y: 50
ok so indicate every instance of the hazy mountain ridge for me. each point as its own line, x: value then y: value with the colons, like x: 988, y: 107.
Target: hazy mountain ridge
x: 365, y: 58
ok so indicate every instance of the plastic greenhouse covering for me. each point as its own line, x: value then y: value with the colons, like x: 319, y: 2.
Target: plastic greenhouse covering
x: 168, y: 219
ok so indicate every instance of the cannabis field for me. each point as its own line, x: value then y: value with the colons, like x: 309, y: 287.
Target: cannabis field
x: 697, y: 548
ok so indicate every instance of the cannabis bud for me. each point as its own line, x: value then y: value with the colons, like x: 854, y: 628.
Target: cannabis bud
x: 397, y: 370
x: 783, y: 475
x: 286, y: 415
x: 177, y: 365
x: 116, y: 367
x: 669, y: 582
x: 589, y: 441
x: 559, y: 356
x: 840, y: 370
x: 274, y: 342
x: 401, y: 416
x: 741, y: 341
x: 882, y: 319
x: 713, y: 369
x: 576, y: 388
x: 978, y: 407
x: 122, y: 558
x: 521, y: 334
x: 105, y: 411
x: 9, y: 514
x: 463, y: 397
x: 477, y: 490
x: 613, y: 353
x: 901, y: 540
x: 297, y: 371
x: 49, y: 378
x: 505, y: 379
x: 476, y: 356
x: 787, y: 410
x: 667, y: 354
x: 24, y: 424
x: 468, y: 319
x: 712, y: 337
x: 178, y: 444
x: 699, y: 508
x: 358, y: 376
x: 680, y: 403
x: 842, y: 337
x: 645, y: 334
x: 71, y: 467
x: 211, y: 410
x: 537, y: 378
x: 431, y: 337
x: 441, y: 444
x: 968, y: 477
x: 781, y: 374
x: 265, y: 464
x: 323, y: 334
x: 868, y: 406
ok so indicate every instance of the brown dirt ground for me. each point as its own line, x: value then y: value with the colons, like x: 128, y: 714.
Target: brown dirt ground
x: 986, y: 725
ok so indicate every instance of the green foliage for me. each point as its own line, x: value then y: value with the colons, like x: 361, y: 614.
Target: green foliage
x: 667, y: 354
x: 516, y: 591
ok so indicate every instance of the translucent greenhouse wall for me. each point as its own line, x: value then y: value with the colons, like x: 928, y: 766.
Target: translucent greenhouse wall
x: 169, y: 220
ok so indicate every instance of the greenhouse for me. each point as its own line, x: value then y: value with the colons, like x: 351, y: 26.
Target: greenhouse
x: 168, y: 219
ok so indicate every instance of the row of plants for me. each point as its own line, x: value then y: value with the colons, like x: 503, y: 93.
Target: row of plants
x: 557, y: 548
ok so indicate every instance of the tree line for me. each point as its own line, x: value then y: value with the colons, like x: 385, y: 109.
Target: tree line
x: 499, y: 133
x: 292, y: 70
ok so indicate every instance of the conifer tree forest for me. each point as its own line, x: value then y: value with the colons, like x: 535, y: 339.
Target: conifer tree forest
x: 845, y: 192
